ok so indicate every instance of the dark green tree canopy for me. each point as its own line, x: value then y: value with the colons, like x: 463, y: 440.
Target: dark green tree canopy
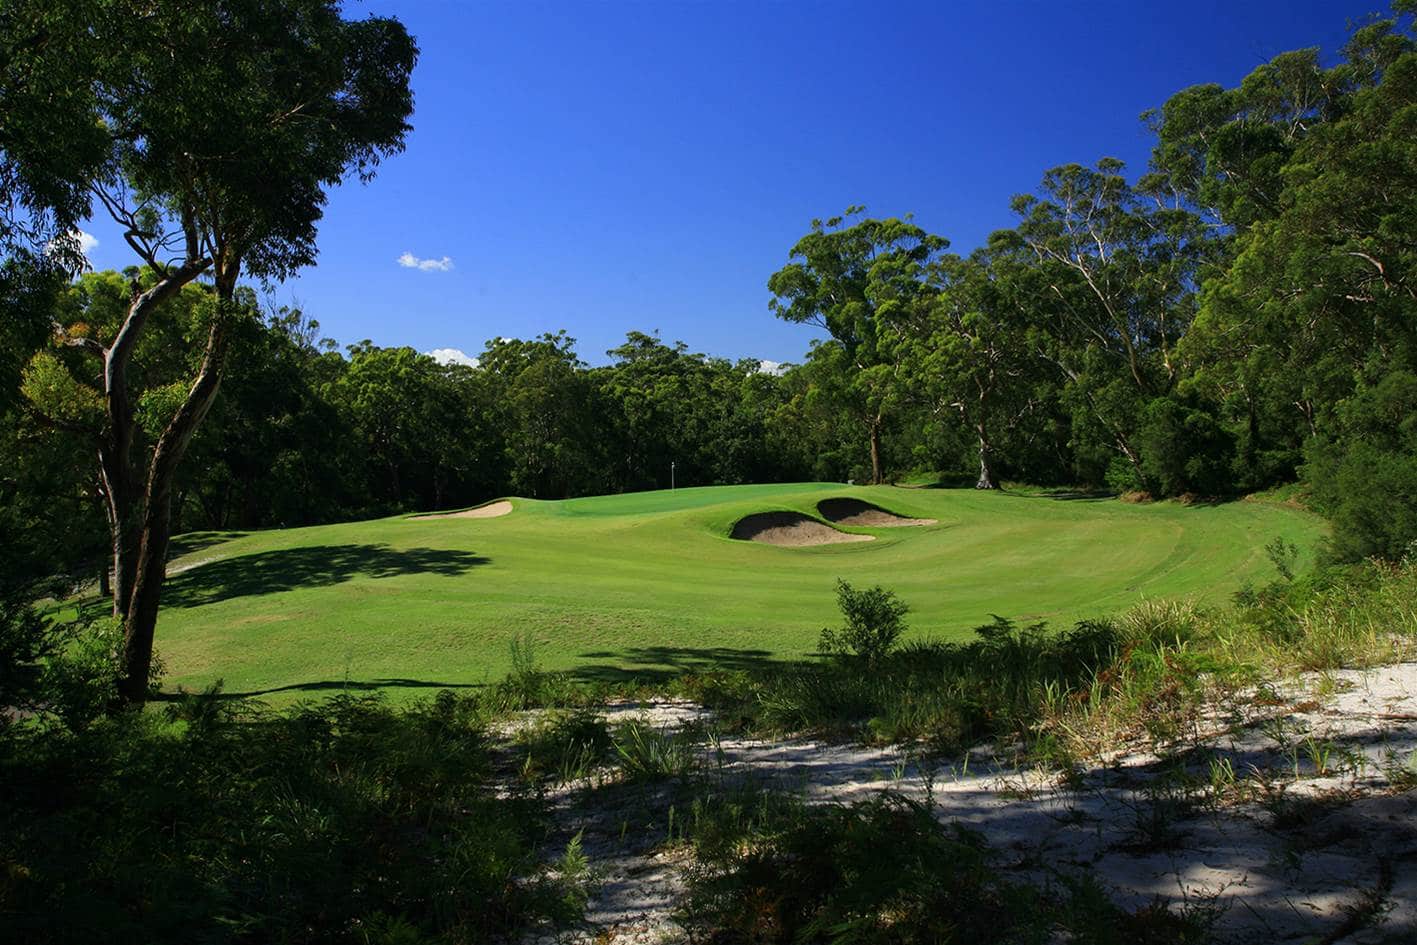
x: 209, y: 130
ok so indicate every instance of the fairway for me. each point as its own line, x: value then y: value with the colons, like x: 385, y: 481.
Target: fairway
x: 646, y: 584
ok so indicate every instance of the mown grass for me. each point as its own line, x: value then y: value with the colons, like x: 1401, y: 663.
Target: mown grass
x: 648, y: 586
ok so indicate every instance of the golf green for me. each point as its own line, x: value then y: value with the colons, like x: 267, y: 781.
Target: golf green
x: 641, y: 585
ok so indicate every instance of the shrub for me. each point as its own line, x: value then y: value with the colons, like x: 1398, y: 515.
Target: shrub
x: 772, y: 869
x: 882, y: 870
x: 219, y: 821
x: 27, y: 642
x: 1364, y: 472
x: 875, y: 619
x: 1183, y: 450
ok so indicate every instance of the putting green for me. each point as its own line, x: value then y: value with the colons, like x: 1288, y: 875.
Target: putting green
x: 615, y: 587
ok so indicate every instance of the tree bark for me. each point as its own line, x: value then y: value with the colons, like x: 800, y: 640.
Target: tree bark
x: 140, y: 622
x: 986, y: 468
x: 125, y: 512
x: 876, y: 451
x: 981, y: 427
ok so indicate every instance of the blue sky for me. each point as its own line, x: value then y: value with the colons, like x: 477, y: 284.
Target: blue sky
x: 609, y: 166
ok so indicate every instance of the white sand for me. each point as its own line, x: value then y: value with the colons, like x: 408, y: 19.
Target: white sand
x: 490, y: 510
x: 1351, y: 832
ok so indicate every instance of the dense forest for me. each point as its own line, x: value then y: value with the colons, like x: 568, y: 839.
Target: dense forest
x: 1241, y: 315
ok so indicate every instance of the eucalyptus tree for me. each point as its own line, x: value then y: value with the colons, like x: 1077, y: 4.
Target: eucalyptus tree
x: 209, y: 131
x: 1106, y: 273
x: 1312, y: 169
x: 857, y: 278
x: 967, y: 354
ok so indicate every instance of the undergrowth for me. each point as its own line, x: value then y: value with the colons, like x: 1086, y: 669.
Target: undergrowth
x: 1063, y: 694
x: 217, y: 821
x: 770, y: 868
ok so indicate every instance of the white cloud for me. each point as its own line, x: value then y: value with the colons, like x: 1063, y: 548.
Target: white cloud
x: 410, y: 261
x: 87, y: 243
x: 774, y: 368
x: 451, y: 356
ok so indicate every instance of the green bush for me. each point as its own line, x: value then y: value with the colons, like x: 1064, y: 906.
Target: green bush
x: 27, y: 642
x: 1183, y: 450
x: 218, y: 821
x: 875, y: 619
x: 772, y: 869
x: 1364, y: 472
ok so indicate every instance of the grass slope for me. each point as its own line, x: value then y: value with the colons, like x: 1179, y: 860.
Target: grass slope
x: 645, y: 584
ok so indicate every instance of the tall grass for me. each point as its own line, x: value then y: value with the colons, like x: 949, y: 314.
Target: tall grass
x: 1146, y: 672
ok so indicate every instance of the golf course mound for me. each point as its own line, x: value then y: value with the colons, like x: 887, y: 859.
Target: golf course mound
x: 490, y: 510
x: 789, y: 530
x: 844, y: 511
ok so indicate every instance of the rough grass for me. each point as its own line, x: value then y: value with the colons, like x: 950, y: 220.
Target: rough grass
x: 1066, y: 693
x: 648, y: 586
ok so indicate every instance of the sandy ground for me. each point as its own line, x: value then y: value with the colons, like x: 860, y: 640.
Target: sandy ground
x: 856, y: 512
x: 790, y: 530
x: 1312, y: 825
x: 490, y: 510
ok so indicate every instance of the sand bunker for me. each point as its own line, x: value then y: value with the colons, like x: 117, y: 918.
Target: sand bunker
x: 490, y: 510
x: 789, y: 529
x: 856, y: 512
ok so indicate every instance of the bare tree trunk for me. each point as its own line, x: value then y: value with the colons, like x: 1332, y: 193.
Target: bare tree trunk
x: 876, y: 451
x: 986, y: 468
x: 140, y: 622
x: 125, y: 512
x: 122, y: 528
x: 981, y: 427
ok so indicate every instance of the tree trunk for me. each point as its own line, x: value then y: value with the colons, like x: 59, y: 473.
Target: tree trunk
x: 986, y: 467
x: 876, y: 451
x: 125, y: 513
x: 123, y: 518
x: 981, y: 427
x: 140, y: 622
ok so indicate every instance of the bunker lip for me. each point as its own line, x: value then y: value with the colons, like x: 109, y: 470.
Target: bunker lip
x: 789, y: 530
x: 490, y: 510
x: 844, y: 511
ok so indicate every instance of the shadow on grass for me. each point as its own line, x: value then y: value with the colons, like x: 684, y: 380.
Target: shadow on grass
x: 330, y: 686
x: 269, y: 572
x: 190, y: 542
x: 1067, y: 495
x: 655, y: 664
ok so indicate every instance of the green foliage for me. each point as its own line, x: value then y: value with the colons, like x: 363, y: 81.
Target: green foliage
x: 886, y: 870
x: 875, y: 619
x: 644, y: 752
x: 1364, y: 475
x: 1183, y: 450
x: 565, y: 745
x: 27, y: 642
x: 81, y: 678
x: 52, y: 390
x: 220, y: 822
x: 880, y: 871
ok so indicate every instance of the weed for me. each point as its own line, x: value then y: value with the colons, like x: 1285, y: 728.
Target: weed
x: 567, y: 745
x: 1401, y: 773
x: 646, y: 753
